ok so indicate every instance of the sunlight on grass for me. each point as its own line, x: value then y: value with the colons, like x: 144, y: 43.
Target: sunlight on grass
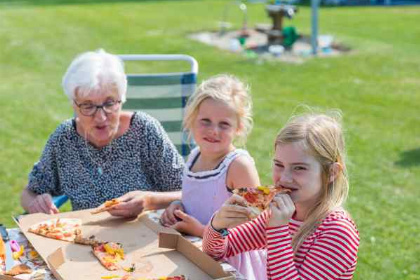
x: 376, y: 86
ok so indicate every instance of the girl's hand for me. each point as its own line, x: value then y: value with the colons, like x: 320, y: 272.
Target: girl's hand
x: 43, y: 204
x: 168, y: 217
x: 233, y: 213
x: 282, y: 209
x: 188, y: 224
x: 131, y: 204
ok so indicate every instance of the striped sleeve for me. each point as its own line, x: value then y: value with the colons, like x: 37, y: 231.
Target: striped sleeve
x: 246, y: 237
x: 213, y: 243
x: 332, y: 253
x: 280, y: 264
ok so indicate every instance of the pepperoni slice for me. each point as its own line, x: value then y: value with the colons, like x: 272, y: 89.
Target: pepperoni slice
x: 251, y: 198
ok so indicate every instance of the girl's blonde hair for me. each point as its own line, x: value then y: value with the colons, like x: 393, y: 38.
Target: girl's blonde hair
x: 229, y: 90
x: 322, y: 137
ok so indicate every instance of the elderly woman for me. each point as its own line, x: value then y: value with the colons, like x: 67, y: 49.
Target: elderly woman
x: 103, y: 152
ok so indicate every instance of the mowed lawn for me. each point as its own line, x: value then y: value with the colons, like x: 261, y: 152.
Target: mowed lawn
x: 376, y: 86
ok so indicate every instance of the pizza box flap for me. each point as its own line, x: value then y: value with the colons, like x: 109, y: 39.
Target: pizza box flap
x: 140, y: 241
x: 203, y: 261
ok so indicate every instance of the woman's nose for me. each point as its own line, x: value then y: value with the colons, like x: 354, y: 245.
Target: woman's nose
x: 100, y: 115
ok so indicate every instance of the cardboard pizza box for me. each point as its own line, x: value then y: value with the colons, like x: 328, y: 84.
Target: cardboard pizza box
x: 154, y: 250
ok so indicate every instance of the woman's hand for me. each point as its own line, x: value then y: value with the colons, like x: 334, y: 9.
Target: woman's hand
x: 168, y: 217
x: 188, y: 224
x: 42, y: 204
x: 131, y: 204
x: 282, y: 209
x: 233, y: 213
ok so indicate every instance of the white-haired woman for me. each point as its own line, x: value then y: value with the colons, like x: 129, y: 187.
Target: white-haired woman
x: 104, y: 152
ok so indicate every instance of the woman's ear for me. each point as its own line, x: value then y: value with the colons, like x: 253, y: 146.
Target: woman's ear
x: 335, y: 170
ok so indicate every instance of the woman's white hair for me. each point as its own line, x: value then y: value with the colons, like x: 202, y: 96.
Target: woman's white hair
x: 95, y: 72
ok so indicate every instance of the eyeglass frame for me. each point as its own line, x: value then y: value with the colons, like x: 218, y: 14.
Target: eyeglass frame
x: 97, y: 107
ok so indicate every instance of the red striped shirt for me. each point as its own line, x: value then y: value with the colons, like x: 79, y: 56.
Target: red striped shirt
x: 330, y: 252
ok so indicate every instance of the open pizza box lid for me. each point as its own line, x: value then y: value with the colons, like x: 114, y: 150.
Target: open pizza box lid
x: 154, y: 250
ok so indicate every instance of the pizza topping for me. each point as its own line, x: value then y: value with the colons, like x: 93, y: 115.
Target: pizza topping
x: 114, y: 249
x: 257, y: 198
x: 111, y: 202
x: 109, y: 254
x: 132, y: 268
x: 250, y: 197
x: 264, y: 189
x: 110, y: 277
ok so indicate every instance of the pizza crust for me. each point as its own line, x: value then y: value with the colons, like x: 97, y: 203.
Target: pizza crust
x: 108, y: 205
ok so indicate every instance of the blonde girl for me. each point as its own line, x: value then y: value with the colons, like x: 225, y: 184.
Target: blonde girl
x: 307, y: 233
x: 217, y: 116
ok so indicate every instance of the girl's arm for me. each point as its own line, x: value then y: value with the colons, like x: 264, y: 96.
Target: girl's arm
x: 246, y: 237
x: 242, y: 173
x: 331, y: 255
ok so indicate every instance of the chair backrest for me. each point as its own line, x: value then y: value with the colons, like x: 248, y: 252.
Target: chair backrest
x: 163, y: 96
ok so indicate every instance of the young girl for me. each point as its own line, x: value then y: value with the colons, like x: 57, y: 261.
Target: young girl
x: 217, y: 114
x: 307, y: 233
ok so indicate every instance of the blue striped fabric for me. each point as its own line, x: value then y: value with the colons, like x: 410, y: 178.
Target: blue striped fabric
x: 164, y: 96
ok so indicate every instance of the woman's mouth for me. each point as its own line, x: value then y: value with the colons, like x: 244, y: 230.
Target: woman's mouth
x: 101, y: 127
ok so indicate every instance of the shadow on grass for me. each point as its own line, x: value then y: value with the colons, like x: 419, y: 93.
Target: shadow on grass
x: 409, y: 158
x: 71, y: 2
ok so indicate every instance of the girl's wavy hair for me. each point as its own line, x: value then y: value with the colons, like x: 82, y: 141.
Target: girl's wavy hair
x: 229, y: 90
x: 321, y: 136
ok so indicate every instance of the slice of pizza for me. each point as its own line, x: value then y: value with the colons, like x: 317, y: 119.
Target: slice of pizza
x: 109, y: 254
x: 65, y: 229
x: 108, y: 205
x: 259, y: 198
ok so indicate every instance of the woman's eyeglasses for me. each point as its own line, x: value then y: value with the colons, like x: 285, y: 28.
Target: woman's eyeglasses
x: 89, y: 109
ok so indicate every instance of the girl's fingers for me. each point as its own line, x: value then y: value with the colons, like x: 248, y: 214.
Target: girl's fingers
x: 289, y: 202
x: 171, y: 217
x: 183, y: 216
x: 168, y: 216
x: 164, y: 219
x: 236, y: 209
x: 236, y: 200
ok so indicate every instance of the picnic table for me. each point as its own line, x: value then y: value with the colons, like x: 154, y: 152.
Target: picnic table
x: 40, y: 269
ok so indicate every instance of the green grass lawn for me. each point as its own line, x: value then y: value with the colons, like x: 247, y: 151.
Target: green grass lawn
x: 376, y: 86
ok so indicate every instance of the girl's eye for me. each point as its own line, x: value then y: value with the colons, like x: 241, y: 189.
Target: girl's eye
x: 299, y: 168
x: 279, y: 165
x: 224, y: 125
x: 205, y: 122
